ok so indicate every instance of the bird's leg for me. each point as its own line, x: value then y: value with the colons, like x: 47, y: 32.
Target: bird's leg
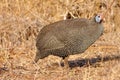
x: 66, y: 64
x: 60, y: 63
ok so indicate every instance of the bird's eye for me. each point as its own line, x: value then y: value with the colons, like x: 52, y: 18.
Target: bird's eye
x: 98, y: 18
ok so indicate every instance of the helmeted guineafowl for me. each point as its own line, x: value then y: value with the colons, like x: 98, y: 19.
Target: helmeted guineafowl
x: 68, y: 37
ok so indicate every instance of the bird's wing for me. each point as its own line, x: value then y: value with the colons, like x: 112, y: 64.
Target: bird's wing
x: 51, y: 43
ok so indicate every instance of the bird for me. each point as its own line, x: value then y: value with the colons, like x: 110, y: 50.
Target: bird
x: 68, y: 37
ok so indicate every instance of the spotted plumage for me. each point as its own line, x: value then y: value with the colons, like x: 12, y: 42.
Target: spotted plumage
x: 68, y: 37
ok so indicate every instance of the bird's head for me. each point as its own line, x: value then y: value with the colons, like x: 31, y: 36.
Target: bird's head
x: 99, y: 18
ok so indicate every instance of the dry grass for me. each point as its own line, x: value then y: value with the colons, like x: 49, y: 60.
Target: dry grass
x: 20, y: 22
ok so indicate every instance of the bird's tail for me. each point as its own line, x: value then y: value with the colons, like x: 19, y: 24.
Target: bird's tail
x: 40, y: 55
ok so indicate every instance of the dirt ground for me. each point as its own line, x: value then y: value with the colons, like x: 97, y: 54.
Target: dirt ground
x: 20, y: 22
